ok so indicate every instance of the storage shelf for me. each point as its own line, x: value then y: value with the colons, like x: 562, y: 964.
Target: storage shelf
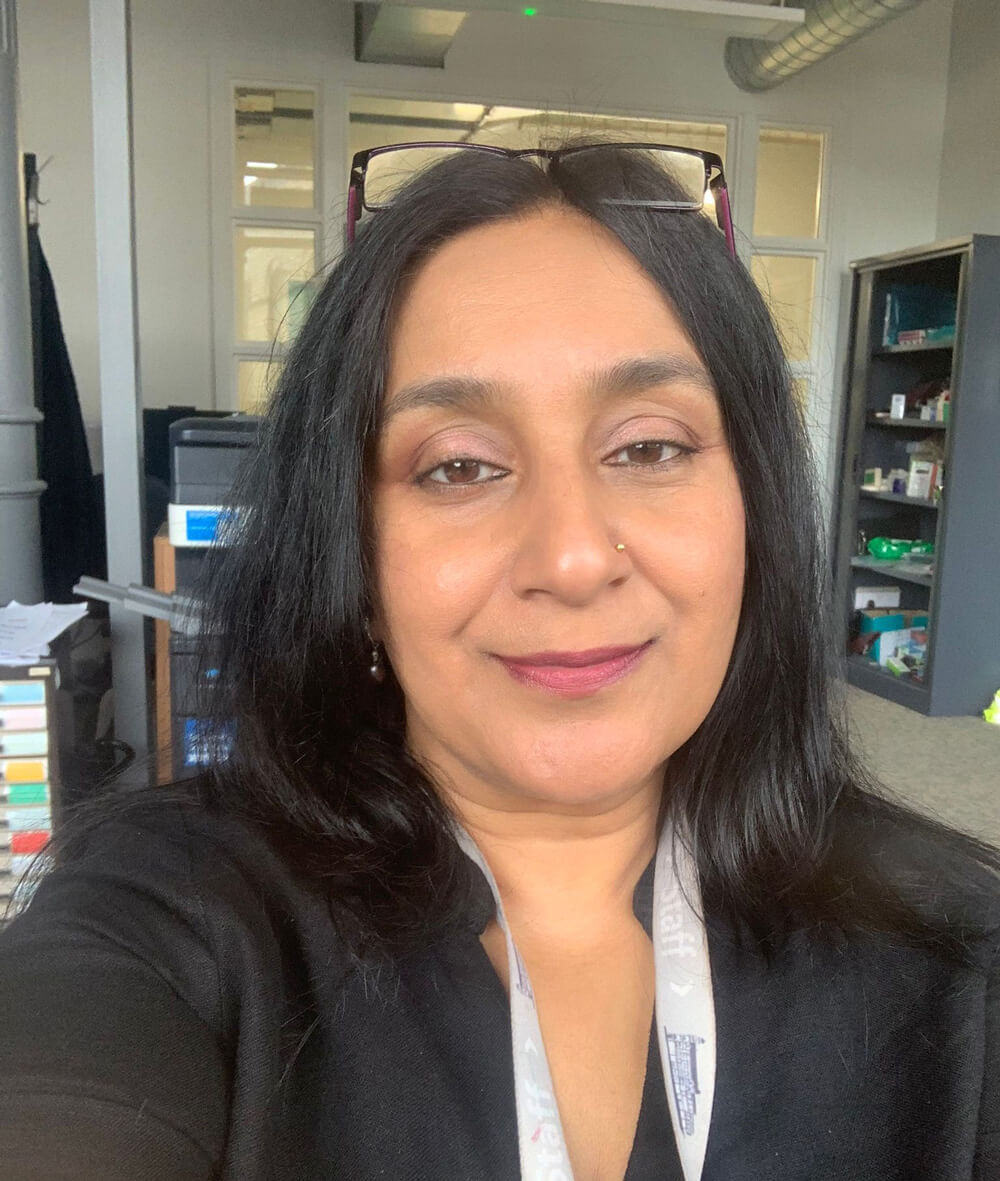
x: 866, y: 674
x: 923, y: 346
x: 892, y: 569
x: 919, y: 424
x: 957, y: 586
x: 919, y: 502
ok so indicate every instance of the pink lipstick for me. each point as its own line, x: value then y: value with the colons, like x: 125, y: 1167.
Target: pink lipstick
x: 574, y: 674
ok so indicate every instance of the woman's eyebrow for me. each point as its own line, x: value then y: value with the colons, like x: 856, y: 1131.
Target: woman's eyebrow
x: 629, y: 376
x: 636, y: 374
x: 455, y: 393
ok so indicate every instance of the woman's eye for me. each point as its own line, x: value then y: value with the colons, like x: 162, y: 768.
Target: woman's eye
x: 648, y: 453
x: 459, y: 472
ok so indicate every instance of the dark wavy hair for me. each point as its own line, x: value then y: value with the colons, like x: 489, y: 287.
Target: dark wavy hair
x: 782, y: 821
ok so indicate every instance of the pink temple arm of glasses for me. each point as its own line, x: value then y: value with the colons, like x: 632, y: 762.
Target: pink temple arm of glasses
x: 726, y: 217
x: 352, y: 211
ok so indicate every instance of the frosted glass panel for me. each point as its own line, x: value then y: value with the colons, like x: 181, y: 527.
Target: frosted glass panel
x: 274, y: 265
x: 275, y: 148
x: 255, y: 382
x: 788, y: 283
x: 789, y: 171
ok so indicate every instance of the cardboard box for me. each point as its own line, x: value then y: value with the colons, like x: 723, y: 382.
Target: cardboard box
x: 876, y: 596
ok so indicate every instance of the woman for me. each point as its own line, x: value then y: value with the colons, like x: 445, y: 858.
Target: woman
x: 524, y: 644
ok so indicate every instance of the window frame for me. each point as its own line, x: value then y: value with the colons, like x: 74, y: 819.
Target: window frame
x: 817, y: 371
x: 228, y: 349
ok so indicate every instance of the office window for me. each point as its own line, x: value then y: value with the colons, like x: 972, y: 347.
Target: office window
x: 255, y: 381
x: 789, y: 244
x: 788, y: 283
x: 273, y: 268
x: 275, y: 147
x: 276, y: 237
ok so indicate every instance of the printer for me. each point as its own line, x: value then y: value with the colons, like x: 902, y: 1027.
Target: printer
x: 205, y: 456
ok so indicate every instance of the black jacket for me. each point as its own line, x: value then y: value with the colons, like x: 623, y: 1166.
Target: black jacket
x: 175, y: 1006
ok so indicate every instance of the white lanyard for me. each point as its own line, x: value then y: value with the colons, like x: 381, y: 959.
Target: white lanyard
x: 685, y: 1023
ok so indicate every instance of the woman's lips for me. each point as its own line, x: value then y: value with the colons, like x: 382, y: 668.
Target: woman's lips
x: 574, y: 674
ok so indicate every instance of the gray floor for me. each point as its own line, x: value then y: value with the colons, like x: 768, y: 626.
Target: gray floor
x: 949, y: 767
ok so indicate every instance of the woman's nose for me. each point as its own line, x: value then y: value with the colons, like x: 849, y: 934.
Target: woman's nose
x: 566, y: 541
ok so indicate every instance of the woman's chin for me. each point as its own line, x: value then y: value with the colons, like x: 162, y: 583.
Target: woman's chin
x: 577, y: 788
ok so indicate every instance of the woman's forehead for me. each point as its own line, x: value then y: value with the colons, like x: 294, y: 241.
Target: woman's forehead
x: 528, y: 299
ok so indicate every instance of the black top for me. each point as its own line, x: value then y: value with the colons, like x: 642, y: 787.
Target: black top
x: 176, y: 1006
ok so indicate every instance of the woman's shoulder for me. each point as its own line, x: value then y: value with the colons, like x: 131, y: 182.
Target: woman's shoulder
x: 167, y: 840
x: 949, y: 878
x: 195, y: 896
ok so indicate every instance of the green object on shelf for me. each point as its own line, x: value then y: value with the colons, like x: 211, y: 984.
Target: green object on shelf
x: 888, y: 549
x: 992, y: 712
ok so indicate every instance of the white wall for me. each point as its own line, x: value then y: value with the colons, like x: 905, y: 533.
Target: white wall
x: 54, y: 68
x: 882, y: 99
x: 970, y: 162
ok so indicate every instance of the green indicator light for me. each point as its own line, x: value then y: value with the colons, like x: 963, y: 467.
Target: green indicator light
x: 530, y: 11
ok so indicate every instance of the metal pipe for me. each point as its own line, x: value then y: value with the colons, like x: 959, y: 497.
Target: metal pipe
x: 118, y: 342
x: 829, y: 25
x: 20, y: 488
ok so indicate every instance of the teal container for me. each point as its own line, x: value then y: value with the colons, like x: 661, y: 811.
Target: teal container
x: 28, y: 793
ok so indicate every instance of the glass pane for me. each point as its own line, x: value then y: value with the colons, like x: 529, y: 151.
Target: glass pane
x: 682, y: 176
x: 255, y: 382
x: 516, y: 127
x: 376, y: 122
x: 787, y: 283
x: 789, y: 172
x: 275, y: 147
x: 273, y: 265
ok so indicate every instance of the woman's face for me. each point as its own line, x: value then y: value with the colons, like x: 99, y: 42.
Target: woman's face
x: 544, y: 406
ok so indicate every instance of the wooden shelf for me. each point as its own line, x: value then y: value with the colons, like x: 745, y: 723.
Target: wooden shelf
x: 897, y: 499
x: 892, y: 569
x: 914, y: 424
x: 923, y: 346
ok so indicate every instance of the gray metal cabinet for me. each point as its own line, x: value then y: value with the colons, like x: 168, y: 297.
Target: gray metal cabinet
x: 962, y: 594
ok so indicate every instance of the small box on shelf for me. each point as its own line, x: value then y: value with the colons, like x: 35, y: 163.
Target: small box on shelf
x: 922, y: 479
x: 876, y: 596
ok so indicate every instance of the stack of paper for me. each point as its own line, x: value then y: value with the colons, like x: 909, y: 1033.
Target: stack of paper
x: 26, y: 632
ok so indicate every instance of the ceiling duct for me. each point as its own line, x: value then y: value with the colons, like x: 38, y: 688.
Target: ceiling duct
x: 404, y: 36
x: 829, y: 26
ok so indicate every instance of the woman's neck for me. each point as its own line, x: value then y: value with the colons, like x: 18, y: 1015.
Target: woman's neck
x: 566, y: 874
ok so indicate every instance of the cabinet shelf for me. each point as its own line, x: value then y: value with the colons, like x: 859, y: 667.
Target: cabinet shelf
x: 923, y: 346
x: 957, y: 587
x: 892, y: 570
x: 918, y: 501
x: 866, y: 674
x: 913, y: 424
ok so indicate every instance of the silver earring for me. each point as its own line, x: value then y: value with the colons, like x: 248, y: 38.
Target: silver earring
x: 377, y: 669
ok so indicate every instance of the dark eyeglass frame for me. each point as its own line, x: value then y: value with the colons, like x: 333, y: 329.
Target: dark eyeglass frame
x: 715, y: 178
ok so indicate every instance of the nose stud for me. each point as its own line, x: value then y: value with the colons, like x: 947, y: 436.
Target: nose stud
x: 620, y: 548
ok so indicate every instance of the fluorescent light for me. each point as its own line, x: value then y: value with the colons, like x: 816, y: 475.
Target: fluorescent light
x: 260, y: 164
